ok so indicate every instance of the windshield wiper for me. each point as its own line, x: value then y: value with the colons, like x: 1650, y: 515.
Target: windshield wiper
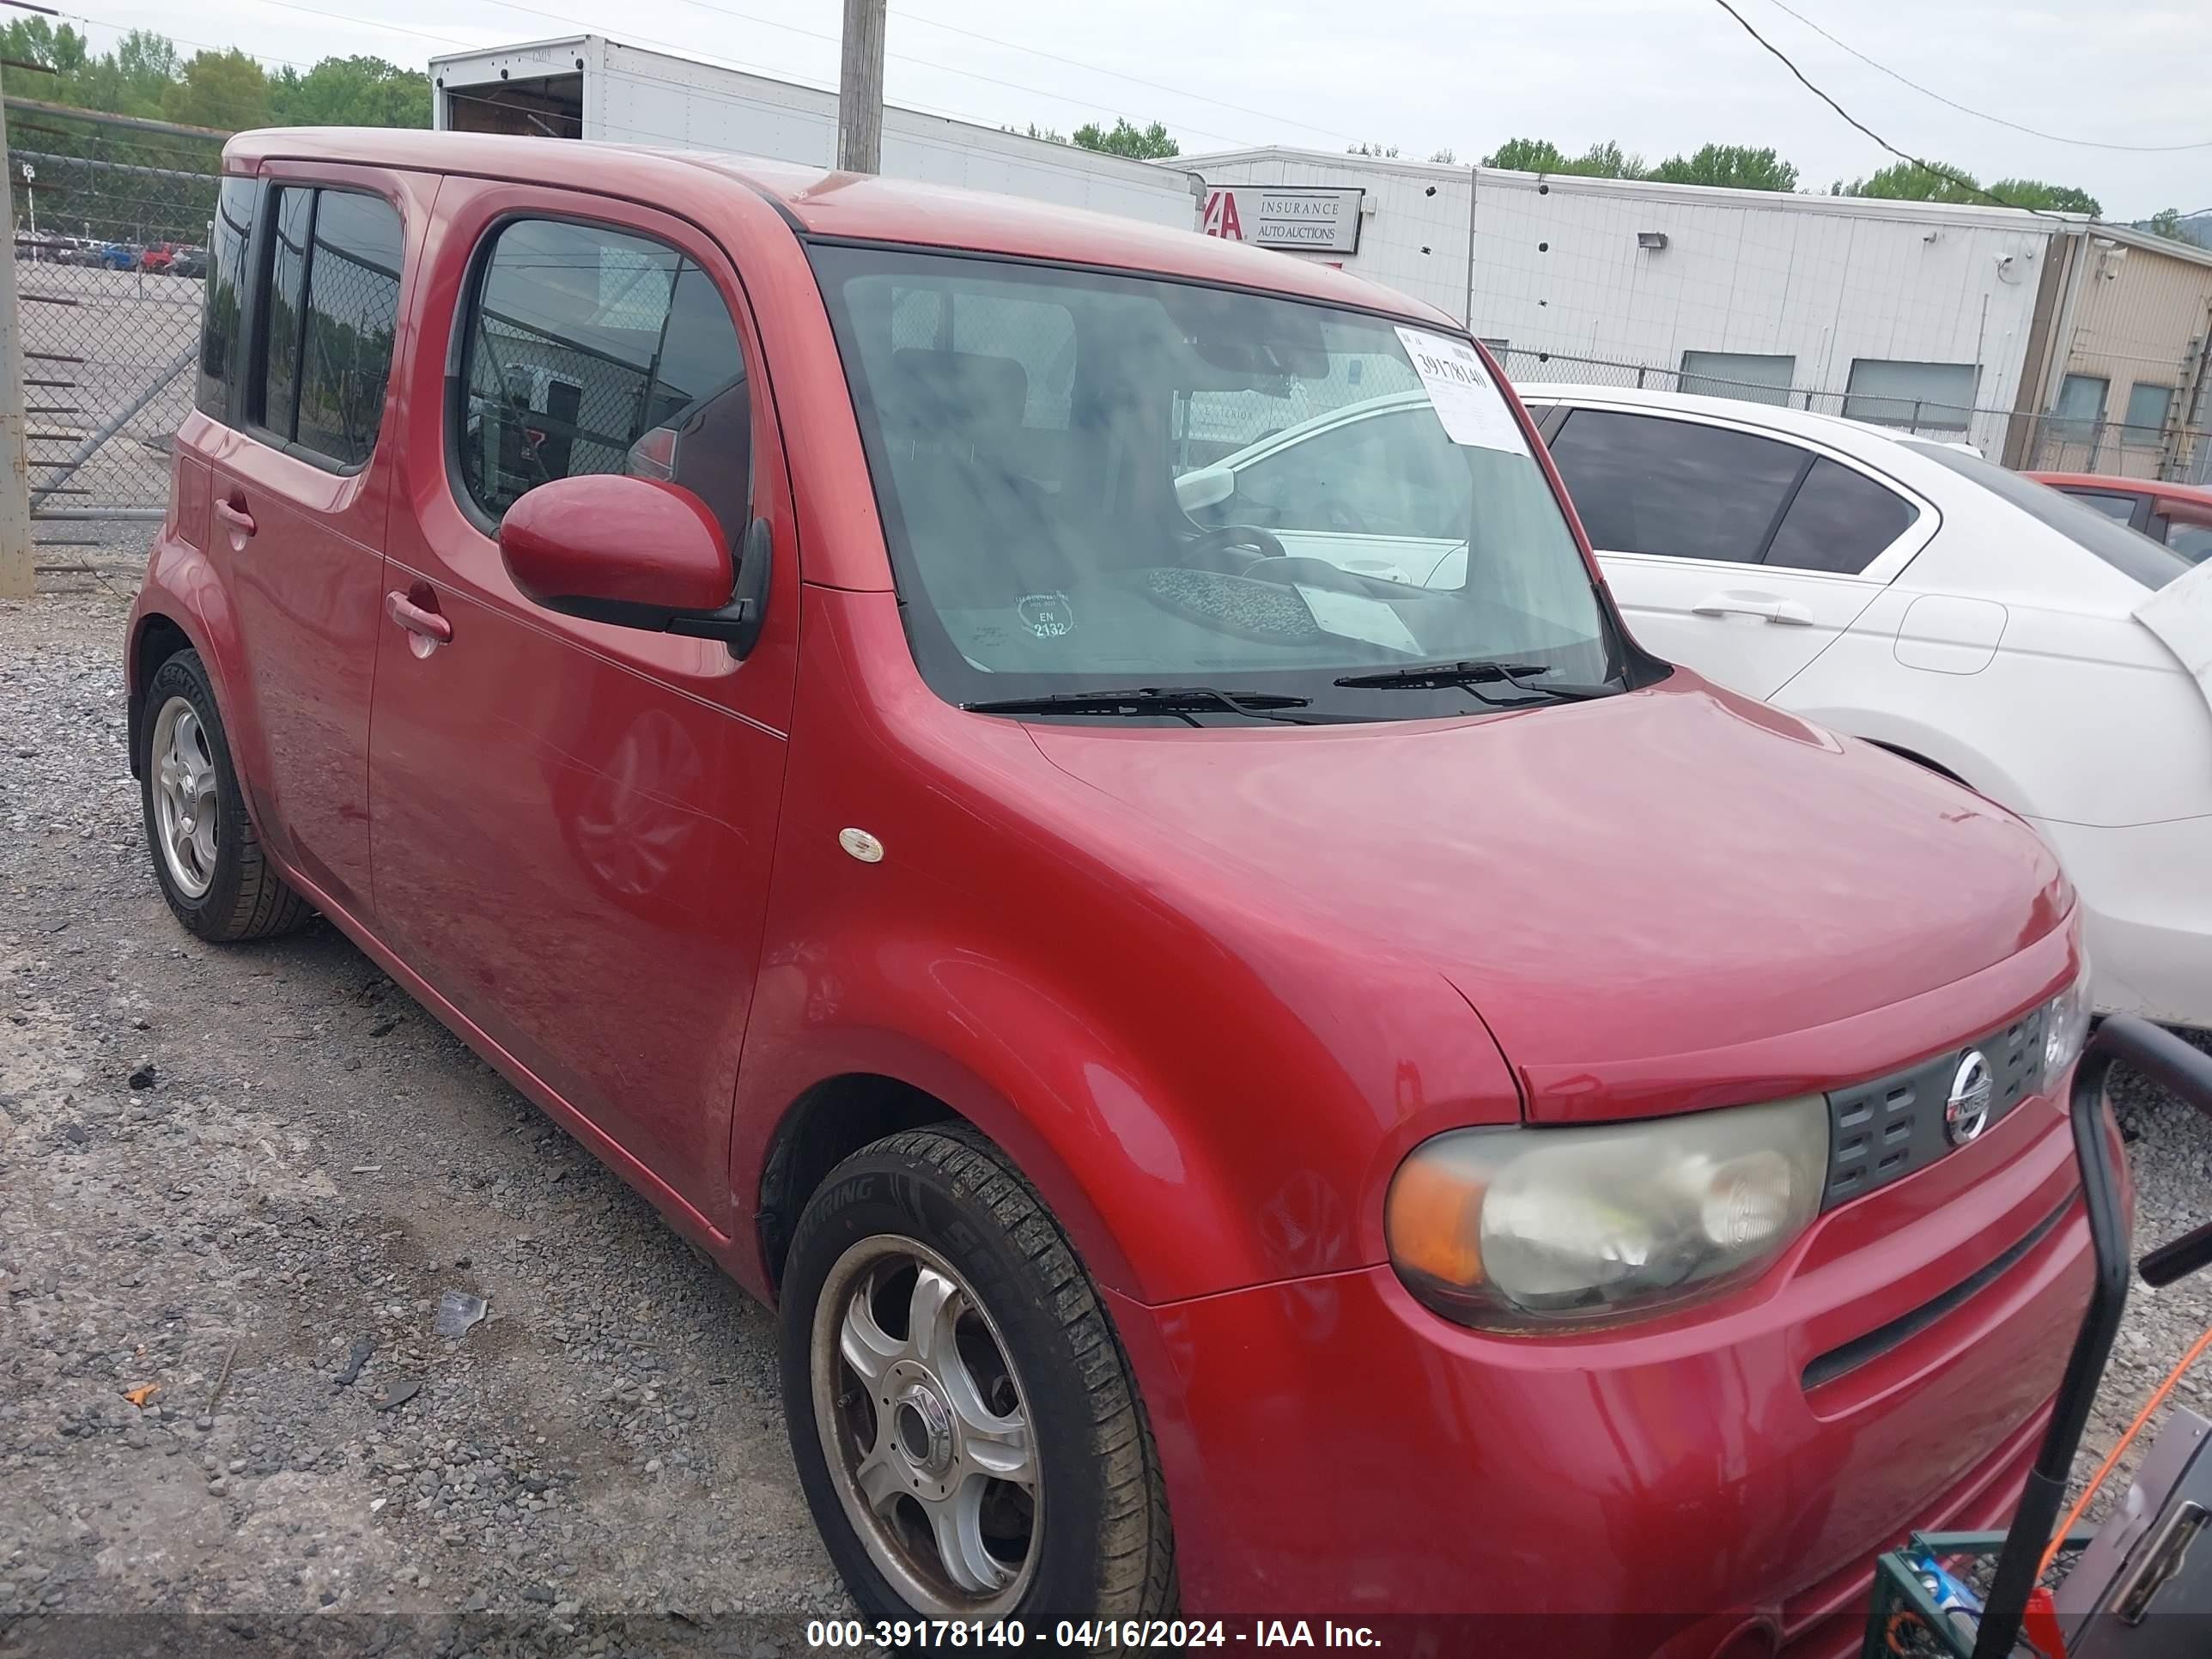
x: 1469, y: 675
x: 1184, y: 699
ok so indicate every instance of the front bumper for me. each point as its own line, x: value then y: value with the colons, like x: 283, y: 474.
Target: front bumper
x: 2146, y: 914
x: 1334, y: 1450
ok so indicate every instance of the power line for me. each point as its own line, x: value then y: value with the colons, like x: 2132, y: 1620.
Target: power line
x: 1964, y: 109
x: 1958, y: 179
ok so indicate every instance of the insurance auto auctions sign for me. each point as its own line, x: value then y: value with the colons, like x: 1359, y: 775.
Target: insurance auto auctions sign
x: 1285, y: 216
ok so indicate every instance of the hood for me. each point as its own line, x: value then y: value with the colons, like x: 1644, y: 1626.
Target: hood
x: 1675, y: 873
x: 2180, y: 614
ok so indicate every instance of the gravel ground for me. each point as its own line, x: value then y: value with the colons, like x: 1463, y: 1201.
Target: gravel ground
x: 222, y: 1172
x: 225, y: 1173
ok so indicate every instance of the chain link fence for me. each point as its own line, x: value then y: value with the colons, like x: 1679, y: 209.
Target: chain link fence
x: 110, y: 244
x: 2031, y: 442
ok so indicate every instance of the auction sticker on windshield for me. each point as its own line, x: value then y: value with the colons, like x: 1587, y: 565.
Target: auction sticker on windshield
x: 1465, y: 396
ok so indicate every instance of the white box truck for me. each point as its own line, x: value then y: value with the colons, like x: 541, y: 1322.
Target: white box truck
x: 584, y: 86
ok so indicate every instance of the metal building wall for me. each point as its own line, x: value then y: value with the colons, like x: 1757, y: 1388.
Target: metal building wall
x: 1557, y: 268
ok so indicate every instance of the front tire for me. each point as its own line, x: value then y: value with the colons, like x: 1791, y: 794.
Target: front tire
x: 206, y: 855
x: 965, y: 1423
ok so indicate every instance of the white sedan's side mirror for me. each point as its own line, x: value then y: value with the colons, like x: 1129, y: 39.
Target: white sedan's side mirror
x: 1205, y: 487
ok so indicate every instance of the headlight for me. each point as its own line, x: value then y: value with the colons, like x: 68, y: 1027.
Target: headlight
x: 1531, y: 1228
x: 2066, y: 1026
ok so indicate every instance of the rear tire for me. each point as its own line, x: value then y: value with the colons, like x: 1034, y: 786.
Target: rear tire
x: 1018, y: 1478
x: 206, y: 853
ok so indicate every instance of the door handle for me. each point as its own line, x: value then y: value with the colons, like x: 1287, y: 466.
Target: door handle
x: 424, y: 624
x: 1788, y: 612
x: 236, y: 517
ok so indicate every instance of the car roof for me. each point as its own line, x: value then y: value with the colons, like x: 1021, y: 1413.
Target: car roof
x: 2113, y: 482
x: 1832, y: 428
x: 846, y: 206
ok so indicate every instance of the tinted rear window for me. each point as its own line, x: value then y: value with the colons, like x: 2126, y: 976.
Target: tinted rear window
x: 1839, y: 521
x: 2130, y: 554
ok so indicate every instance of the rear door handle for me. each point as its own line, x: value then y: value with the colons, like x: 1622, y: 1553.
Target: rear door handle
x: 424, y: 624
x: 236, y: 517
x: 1786, y: 612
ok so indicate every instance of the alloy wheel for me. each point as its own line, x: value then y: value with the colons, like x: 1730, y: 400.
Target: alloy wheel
x: 926, y: 1429
x: 186, y: 809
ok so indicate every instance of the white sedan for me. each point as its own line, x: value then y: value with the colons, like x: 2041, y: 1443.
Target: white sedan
x: 1894, y: 588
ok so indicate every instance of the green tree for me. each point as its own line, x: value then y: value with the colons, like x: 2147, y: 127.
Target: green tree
x: 2052, y: 199
x: 1912, y: 181
x: 350, y: 92
x: 1732, y: 167
x: 2166, y: 222
x: 34, y: 40
x: 226, y: 90
x: 1370, y: 149
x: 1146, y: 143
x: 1605, y: 161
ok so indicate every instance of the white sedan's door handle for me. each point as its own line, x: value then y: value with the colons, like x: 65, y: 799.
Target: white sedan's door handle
x: 1767, y: 606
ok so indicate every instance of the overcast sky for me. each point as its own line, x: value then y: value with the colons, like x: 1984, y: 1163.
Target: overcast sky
x: 1658, y: 75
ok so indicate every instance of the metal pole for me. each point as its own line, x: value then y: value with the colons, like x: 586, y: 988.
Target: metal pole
x: 860, y: 89
x: 18, y: 579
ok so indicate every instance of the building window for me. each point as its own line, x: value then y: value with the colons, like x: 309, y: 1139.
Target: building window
x: 1754, y: 377
x: 1922, y: 397
x: 2080, y: 406
x: 2147, y: 407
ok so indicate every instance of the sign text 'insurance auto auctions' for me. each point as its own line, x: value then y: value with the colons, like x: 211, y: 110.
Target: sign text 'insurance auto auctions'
x: 1285, y: 216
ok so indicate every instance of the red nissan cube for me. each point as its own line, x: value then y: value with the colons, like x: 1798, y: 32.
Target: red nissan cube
x: 1274, y: 1063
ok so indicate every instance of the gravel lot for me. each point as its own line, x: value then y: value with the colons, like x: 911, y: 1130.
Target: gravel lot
x: 224, y: 1173
x: 220, y: 1169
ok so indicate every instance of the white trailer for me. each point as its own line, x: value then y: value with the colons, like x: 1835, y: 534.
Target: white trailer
x: 586, y: 86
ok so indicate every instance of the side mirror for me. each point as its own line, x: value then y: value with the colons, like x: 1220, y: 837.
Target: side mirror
x: 1203, y: 487
x: 636, y: 553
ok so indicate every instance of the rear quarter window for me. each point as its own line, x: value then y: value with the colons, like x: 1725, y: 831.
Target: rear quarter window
x: 223, y: 298
x: 2131, y: 555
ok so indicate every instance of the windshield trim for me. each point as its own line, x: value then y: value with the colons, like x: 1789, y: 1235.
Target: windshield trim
x: 1435, y: 322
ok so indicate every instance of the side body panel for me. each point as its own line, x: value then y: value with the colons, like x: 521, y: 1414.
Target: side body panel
x: 574, y: 823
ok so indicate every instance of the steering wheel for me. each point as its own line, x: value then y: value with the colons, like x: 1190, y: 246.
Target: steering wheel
x: 1207, y: 551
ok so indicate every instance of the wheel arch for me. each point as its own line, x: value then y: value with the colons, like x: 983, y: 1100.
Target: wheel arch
x: 833, y: 1093
x: 155, y: 636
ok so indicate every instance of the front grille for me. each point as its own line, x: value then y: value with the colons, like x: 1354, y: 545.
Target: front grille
x: 1882, y: 1131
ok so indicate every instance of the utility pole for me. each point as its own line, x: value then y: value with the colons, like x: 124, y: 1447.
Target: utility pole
x: 860, y: 89
x: 18, y: 579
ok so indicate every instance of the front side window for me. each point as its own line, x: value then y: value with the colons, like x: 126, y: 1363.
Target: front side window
x: 1091, y: 481
x: 1394, y: 472
x: 589, y: 349
x: 329, y: 317
x: 224, y: 296
x: 1644, y: 484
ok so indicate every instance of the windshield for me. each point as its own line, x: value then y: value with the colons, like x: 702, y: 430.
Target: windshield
x: 2126, y: 551
x: 1092, y: 481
